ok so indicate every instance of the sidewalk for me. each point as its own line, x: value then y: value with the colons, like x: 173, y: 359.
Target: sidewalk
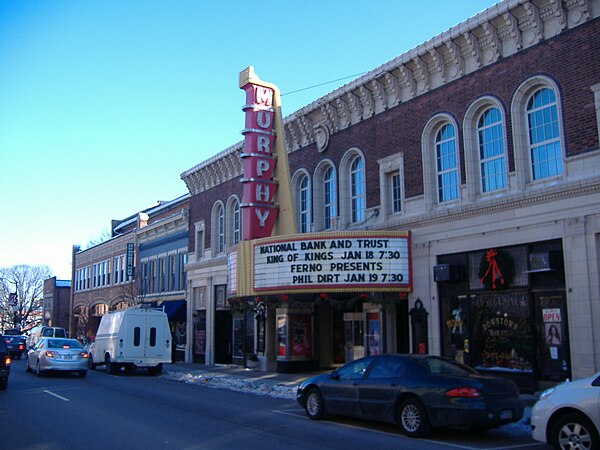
x: 237, y: 378
x: 280, y: 385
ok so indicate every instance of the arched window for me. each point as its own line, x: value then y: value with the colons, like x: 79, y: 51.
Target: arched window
x: 492, y: 161
x: 328, y: 198
x: 357, y: 190
x: 233, y: 222
x: 446, y: 163
x: 543, y: 135
x: 304, y: 205
x: 237, y: 223
x: 218, y: 229
x: 324, y: 196
x: 537, y: 133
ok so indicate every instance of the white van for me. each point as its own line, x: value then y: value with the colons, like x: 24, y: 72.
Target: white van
x: 132, y: 338
x: 39, y: 332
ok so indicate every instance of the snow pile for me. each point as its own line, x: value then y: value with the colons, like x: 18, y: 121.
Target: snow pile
x: 239, y: 384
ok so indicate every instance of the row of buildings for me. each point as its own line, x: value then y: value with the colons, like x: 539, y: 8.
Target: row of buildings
x: 472, y: 159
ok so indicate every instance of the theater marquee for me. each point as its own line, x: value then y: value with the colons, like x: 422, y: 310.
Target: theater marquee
x: 356, y: 261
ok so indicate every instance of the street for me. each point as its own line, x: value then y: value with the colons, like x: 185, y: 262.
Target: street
x: 132, y: 410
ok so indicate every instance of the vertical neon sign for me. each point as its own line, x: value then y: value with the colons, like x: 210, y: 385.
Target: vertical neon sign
x: 259, y: 211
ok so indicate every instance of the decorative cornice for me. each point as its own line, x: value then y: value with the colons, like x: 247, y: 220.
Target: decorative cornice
x: 530, y: 198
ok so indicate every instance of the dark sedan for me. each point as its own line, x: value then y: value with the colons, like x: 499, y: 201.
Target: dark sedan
x: 15, y: 346
x: 4, y: 364
x: 417, y: 392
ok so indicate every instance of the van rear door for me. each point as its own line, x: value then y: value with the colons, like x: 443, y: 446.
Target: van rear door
x: 154, y: 338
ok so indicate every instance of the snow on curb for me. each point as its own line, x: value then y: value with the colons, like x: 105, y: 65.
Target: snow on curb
x: 234, y: 383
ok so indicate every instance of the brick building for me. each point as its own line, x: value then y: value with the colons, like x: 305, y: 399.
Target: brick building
x: 483, y: 144
x: 141, y: 263
x: 56, y: 306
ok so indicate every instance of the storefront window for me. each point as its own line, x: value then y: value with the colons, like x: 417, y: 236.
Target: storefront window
x: 238, y: 337
x: 502, y: 336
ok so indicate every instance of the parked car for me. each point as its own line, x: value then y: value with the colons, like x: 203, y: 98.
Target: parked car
x: 15, y: 346
x: 567, y: 416
x: 418, y: 392
x: 4, y: 364
x: 57, y: 354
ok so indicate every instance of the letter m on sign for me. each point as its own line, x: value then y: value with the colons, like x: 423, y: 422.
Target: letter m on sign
x: 263, y: 96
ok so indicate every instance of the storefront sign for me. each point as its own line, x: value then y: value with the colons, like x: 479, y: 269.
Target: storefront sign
x: 333, y: 261
x: 551, y: 315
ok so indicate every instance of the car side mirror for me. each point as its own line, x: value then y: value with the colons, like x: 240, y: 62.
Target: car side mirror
x: 334, y: 375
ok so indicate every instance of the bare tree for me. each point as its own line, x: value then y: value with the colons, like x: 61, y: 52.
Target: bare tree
x: 21, y: 295
x: 103, y: 236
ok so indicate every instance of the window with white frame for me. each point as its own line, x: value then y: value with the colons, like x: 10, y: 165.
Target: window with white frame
x: 492, y: 162
x: 446, y: 163
x: 172, y: 273
x: 396, y: 197
x: 237, y: 223
x: 218, y: 229
x: 357, y: 190
x: 329, y: 194
x: 152, y: 274
x: 543, y: 134
x: 182, y: 272
x: 304, y: 219
x: 537, y: 132
x: 162, y: 275
x: 391, y: 179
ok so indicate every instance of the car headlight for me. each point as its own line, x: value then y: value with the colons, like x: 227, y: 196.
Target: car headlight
x: 547, y: 393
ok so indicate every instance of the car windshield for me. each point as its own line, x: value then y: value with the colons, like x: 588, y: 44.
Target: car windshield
x: 443, y: 367
x: 64, y: 343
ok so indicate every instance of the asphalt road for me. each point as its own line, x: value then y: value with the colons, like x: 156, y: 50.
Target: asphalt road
x: 134, y: 411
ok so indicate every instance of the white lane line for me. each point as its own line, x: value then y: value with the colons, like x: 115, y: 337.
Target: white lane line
x: 57, y: 396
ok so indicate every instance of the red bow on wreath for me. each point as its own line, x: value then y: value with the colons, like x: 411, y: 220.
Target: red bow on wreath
x: 490, y: 257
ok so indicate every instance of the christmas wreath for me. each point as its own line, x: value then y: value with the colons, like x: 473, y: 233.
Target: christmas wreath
x: 496, y: 269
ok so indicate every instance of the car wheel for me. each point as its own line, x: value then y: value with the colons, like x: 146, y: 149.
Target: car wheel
x: 27, y: 368
x: 82, y: 373
x: 156, y: 370
x: 574, y: 431
x: 3, y: 384
x: 111, y: 367
x: 38, y: 371
x: 314, y: 404
x: 412, y: 418
x: 91, y: 364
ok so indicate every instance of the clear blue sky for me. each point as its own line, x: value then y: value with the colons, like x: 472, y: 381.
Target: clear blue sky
x: 103, y: 104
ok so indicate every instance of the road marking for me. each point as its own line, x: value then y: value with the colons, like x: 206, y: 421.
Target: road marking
x: 294, y: 413
x: 57, y: 396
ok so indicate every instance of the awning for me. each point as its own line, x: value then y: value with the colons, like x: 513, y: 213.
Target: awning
x: 175, y: 309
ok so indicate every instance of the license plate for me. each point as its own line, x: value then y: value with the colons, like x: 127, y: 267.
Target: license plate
x: 67, y: 357
x: 506, y: 414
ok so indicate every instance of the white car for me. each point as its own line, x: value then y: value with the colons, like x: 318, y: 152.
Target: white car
x: 567, y: 416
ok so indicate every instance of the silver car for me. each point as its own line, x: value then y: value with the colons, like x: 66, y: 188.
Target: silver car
x: 567, y: 416
x: 57, y: 354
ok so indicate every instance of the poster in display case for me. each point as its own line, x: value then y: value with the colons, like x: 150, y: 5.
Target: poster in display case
x: 294, y: 337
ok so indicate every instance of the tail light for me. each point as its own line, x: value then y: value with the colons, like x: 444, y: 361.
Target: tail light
x: 50, y: 354
x: 21, y: 347
x: 463, y: 392
x: 7, y: 361
x: 84, y: 355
